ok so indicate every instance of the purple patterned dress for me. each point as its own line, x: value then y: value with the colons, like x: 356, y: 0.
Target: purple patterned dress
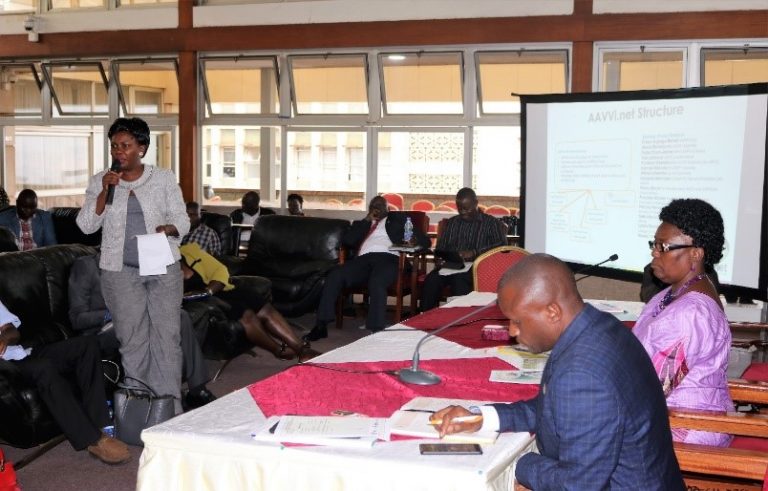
x: 689, y: 342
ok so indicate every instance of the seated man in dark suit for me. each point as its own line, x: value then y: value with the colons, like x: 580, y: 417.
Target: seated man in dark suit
x: 375, y: 265
x: 249, y: 213
x: 80, y: 414
x: 32, y: 227
x: 88, y: 314
x: 470, y: 233
x: 600, y: 417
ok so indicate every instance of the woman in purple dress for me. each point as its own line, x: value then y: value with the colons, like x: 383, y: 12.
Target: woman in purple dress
x: 683, y: 328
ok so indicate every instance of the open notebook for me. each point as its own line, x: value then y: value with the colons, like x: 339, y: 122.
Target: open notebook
x: 413, y: 420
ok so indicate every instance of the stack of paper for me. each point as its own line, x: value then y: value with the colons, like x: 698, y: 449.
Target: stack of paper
x: 516, y: 376
x: 338, y: 431
x: 413, y: 420
x: 522, y: 360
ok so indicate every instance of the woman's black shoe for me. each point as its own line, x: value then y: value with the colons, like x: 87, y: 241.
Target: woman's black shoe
x: 316, y: 333
x: 199, y: 398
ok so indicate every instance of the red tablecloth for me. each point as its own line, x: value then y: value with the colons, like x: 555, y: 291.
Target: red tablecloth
x: 756, y: 371
x: 309, y: 390
x: 468, y: 332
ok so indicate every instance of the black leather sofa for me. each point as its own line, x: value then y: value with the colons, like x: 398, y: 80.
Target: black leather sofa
x: 66, y: 229
x: 222, y: 225
x: 295, y: 254
x: 33, y: 285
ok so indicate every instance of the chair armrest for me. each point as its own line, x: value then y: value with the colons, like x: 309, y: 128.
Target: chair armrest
x: 754, y: 425
x: 748, y: 390
x: 234, y: 264
x: 720, y: 461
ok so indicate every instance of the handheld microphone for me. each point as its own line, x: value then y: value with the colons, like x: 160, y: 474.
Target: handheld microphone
x: 111, y: 189
x: 587, y: 268
x: 415, y: 376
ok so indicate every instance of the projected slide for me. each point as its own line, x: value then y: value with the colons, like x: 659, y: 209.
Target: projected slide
x: 599, y: 172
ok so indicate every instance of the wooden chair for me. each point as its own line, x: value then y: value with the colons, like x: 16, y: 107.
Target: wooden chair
x: 498, y: 211
x: 745, y: 459
x: 395, y: 201
x: 489, y: 266
x: 449, y: 204
x: 406, y: 282
x: 333, y: 203
x: 422, y: 205
x: 356, y: 203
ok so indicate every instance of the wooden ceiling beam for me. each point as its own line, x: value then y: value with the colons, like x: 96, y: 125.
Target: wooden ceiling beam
x: 578, y: 27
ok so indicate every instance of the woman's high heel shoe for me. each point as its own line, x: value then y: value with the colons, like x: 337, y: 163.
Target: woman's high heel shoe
x: 306, y: 352
x: 285, y: 353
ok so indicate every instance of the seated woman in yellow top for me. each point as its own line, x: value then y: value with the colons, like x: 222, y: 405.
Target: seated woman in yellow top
x: 264, y: 326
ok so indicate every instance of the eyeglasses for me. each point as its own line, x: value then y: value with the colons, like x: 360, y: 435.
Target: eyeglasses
x: 664, y: 247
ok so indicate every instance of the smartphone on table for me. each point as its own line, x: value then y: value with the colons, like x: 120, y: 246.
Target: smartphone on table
x: 450, y: 449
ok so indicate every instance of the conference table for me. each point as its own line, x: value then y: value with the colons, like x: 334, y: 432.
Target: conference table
x: 212, y: 447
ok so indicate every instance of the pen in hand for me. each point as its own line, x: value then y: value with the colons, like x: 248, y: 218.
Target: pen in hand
x: 475, y: 418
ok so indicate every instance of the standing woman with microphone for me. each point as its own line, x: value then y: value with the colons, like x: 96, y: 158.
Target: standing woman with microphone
x: 145, y: 309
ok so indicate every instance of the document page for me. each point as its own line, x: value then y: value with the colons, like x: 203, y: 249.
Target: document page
x: 335, y: 431
x: 154, y: 254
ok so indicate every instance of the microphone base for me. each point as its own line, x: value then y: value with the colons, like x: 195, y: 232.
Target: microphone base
x: 418, y: 377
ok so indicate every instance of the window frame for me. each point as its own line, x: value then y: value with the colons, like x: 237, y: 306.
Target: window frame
x: 121, y: 92
x: 294, y: 100
x: 522, y: 52
x: 206, y: 95
x: 462, y: 65
x: 47, y: 68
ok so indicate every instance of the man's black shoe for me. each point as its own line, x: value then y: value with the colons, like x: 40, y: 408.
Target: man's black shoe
x: 198, y: 398
x: 316, y: 333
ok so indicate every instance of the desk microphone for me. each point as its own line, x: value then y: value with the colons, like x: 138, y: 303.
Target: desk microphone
x: 111, y: 189
x: 415, y: 376
x: 587, y: 268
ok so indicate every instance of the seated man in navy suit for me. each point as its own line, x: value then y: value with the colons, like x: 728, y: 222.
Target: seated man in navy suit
x: 32, y: 227
x: 375, y: 265
x: 600, y: 417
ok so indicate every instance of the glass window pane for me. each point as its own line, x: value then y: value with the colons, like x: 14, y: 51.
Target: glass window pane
x: 421, y: 166
x: 503, y: 73
x: 734, y: 66
x: 76, y: 4
x: 327, y: 168
x: 55, y: 161
x: 642, y: 70
x: 422, y: 83
x: 19, y: 91
x: 232, y: 160
x: 78, y: 88
x: 161, y: 151
x: 496, y: 168
x: 16, y: 6
x: 329, y: 84
x: 241, y: 86
x: 148, y: 86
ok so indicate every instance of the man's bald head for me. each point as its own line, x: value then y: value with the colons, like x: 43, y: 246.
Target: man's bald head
x: 544, y: 276
x: 539, y: 296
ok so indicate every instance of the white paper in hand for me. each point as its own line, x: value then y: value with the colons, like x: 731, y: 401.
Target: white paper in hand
x: 154, y: 254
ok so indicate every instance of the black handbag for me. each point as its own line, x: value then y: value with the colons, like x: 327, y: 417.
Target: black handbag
x: 137, y: 408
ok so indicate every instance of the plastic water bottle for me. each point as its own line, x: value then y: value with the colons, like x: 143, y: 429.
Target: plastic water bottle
x: 109, y: 430
x: 408, y: 234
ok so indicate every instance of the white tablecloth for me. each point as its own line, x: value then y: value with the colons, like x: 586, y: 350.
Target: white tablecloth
x: 211, y: 447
